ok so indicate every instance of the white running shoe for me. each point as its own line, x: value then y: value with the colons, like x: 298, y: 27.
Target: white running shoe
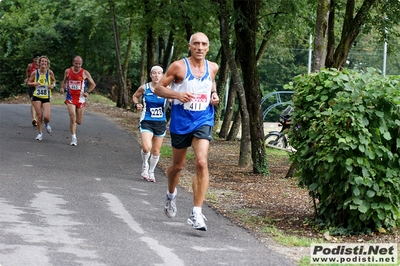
x: 48, y: 128
x: 145, y: 172
x: 39, y: 136
x: 170, y: 207
x: 197, y: 221
x: 74, y: 142
x: 151, y: 177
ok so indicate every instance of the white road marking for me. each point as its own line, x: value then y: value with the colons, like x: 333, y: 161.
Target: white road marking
x: 165, y: 253
x: 52, y: 225
x: 119, y: 210
x: 218, y: 249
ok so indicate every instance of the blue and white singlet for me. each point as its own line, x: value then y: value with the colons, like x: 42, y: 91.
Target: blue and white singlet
x: 153, y: 106
x: 187, y: 117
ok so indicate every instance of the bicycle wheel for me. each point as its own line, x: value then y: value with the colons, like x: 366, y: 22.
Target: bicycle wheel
x: 275, y: 139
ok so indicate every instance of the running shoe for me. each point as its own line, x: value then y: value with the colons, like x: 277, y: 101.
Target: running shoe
x: 34, y: 122
x: 145, y: 172
x: 151, y: 177
x: 197, y: 221
x: 39, y: 136
x: 170, y: 207
x: 48, y: 128
x: 74, y: 142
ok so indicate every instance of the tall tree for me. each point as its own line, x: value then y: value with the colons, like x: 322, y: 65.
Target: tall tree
x: 221, y: 87
x: 122, y: 99
x: 321, y: 35
x: 244, y: 158
x: 151, y: 41
x: 246, y: 32
x: 370, y: 13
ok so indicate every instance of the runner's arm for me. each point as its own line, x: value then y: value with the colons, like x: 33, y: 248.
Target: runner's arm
x: 53, y: 80
x: 135, y: 98
x: 92, y: 84
x: 64, y: 81
x: 31, y: 82
x: 174, y: 73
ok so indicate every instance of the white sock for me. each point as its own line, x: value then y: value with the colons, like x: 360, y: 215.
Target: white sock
x: 73, y: 135
x: 145, y: 158
x: 196, y: 209
x: 153, y: 162
x: 173, y: 195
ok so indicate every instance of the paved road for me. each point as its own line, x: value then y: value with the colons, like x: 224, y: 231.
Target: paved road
x: 87, y: 205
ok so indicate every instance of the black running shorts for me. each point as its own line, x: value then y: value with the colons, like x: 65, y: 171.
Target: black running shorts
x: 34, y: 99
x: 158, y: 128
x: 183, y: 141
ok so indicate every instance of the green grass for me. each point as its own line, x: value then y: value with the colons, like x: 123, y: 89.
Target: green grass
x: 212, y: 197
x: 267, y: 226
x: 58, y: 99
x: 97, y: 98
x: 288, y: 240
x: 276, y: 152
x: 166, y: 151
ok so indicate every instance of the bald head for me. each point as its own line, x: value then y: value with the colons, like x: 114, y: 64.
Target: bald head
x: 198, y: 35
x: 77, y: 63
x: 77, y: 58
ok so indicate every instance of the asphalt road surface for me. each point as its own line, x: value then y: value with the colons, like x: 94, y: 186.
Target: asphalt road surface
x: 87, y: 205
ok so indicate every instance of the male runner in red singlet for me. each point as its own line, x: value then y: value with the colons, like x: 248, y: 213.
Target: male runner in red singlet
x: 75, y: 85
x: 32, y: 67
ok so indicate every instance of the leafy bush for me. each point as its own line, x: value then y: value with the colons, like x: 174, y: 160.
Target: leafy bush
x: 348, y: 145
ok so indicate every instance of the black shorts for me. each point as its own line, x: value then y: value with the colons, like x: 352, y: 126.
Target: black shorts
x: 179, y: 141
x: 158, y: 128
x: 30, y: 91
x: 35, y: 99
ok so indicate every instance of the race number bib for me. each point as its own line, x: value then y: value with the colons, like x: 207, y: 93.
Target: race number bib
x: 74, y: 84
x: 198, y: 103
x: 156, y: 112
x: 42, y: 90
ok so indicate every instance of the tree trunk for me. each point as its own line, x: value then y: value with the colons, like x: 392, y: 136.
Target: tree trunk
x: 291, y: 171
x: 121, y: 94
x: 221, y: 88
x: 331, y: 36
x: 151, y: 49
x: 244, y: 159
x: 143, y: 72
x: 127, y: 99
x: 235, y: 127
x: 246, y: 46
x: 168, y: 51
x: 350, y: 30
x: 320, y: 37
x: 229, y: 111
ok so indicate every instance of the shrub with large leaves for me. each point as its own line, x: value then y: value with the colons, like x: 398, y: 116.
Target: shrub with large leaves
x: 348, y: 146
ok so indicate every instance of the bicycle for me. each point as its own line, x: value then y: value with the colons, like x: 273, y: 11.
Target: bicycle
x: 279, y: 139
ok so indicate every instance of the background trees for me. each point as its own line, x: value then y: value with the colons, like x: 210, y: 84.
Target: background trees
x: 119, y: 40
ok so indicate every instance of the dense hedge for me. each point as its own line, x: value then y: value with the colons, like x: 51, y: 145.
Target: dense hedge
x: 348, y: 145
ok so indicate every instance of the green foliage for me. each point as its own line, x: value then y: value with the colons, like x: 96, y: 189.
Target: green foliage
x: 348, y: 147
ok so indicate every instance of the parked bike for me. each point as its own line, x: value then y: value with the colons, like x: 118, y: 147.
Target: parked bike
x: 279, y: 139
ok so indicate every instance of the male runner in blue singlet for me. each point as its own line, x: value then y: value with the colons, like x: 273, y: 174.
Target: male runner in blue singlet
x: 193, y: 94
